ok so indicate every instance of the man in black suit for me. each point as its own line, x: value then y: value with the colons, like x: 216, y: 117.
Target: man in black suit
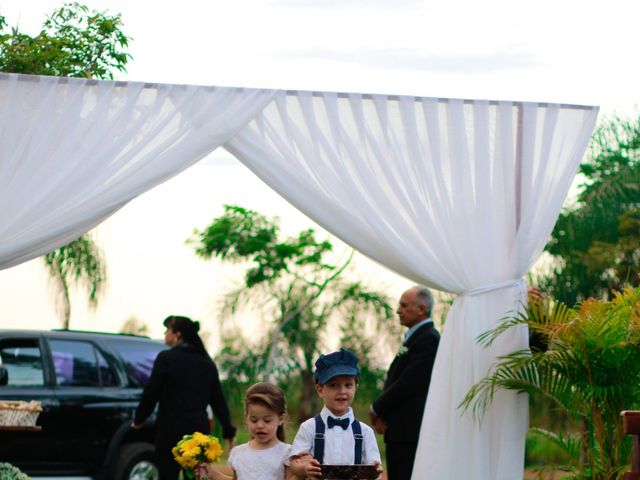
x: 397, y: 412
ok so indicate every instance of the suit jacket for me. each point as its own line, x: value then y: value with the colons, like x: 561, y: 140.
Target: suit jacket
x: 183, y: 382
x: 401, y: 404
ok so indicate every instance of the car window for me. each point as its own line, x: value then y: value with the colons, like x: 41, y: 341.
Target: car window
x: 80, y: 364
x: 23, y: 361
x: 138, y: 357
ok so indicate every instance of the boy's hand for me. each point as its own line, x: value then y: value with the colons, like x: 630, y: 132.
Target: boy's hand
x: 379, y: 469
x: 304, y: 465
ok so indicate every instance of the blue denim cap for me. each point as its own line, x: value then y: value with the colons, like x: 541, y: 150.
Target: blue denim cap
x: 336, y: 364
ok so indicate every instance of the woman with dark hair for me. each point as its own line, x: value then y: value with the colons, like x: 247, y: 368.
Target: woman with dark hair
x: 184, y: 380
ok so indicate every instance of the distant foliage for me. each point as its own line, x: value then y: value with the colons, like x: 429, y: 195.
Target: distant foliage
x: 303, y: 296
x: 73, y: 42
x: 596, y: 241
x: 134, y: 326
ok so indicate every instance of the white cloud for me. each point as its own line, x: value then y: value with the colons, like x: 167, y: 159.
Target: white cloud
x: 411, y: 59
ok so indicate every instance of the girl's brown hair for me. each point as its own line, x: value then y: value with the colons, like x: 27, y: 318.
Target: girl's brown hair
x: 271, y: 397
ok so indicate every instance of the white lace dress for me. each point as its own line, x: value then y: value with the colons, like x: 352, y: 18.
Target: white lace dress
x: 252, y: 464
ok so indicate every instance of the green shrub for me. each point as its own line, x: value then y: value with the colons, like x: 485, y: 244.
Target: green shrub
x: 584, y: 367
x: 9, y: 472
x: 540, y: 451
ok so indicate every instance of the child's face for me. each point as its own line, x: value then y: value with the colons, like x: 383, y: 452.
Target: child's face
x: 338, y: 394
x: 263, y: 424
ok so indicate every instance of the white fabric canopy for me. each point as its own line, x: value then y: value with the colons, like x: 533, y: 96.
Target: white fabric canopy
x: 458, y: 195
x: 74, y: 151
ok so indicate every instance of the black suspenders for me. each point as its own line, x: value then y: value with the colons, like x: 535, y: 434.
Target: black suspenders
x: 318, y: 441
x: 357, y: 436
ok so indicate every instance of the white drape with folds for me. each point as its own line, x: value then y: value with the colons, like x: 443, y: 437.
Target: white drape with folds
x: 457, y: 195
x: 74, y: 151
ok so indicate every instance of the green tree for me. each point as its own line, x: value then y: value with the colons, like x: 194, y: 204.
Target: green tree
x: 80, y: 262
x: 73, y: 42
x: 134, y: 326
x: 304, y: 295
x: 583, y: 370
x: 596, y: 241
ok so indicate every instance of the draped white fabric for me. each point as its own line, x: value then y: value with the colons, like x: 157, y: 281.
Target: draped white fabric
x: 74, y: 151
x: 457, y: 195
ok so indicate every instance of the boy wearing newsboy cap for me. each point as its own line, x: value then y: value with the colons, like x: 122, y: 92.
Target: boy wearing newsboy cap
x: 334, y: 436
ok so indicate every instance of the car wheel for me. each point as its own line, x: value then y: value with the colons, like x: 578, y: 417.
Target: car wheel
x: 136, y: 462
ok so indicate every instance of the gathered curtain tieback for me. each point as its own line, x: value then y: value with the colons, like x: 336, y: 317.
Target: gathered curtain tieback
x: 495, y: 286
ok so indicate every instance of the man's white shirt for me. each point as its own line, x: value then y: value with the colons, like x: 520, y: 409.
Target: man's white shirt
x: 339, y: 444
x: 412, y: 330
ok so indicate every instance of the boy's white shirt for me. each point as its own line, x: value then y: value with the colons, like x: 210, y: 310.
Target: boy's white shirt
x: 339, y: 444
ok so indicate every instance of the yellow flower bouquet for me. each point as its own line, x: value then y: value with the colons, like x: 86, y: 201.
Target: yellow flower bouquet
x: 194, y: 449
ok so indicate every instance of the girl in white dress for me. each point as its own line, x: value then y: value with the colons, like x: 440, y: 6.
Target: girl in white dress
x: 264, y: 455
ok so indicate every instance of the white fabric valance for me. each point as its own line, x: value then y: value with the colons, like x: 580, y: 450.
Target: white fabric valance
x: 460, y: 195
x: 411, y: 182
x: 74, y: 151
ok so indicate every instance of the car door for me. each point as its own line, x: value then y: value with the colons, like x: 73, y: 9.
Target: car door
x: 25, y: 359
x: 136, y: 356
x: 89, y: 392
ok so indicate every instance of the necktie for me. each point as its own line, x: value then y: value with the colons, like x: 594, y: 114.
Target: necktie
x: 343, y: 423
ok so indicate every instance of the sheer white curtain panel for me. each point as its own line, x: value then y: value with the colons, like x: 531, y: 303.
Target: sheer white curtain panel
x: 453, y: 194
x: 73, y: 151
x: 456, y: 195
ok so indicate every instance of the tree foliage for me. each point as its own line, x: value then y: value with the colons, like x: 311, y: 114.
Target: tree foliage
x: 73, y: 42
x: 596, y: 242
x: 584, y: 371
x: 80, y: 262
x: 304, y: 296
x: 134, y: 326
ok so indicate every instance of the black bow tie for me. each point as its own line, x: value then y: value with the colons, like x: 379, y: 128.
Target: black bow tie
x: 332, y: 422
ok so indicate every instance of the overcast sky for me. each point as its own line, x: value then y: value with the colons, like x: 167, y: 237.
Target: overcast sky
x: 564, y: 51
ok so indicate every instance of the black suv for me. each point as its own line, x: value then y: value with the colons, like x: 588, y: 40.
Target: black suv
x: 89, y: 385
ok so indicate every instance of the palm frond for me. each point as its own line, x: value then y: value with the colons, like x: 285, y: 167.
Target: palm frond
x: 81, y: 263
x: 543, y: 317
x: 585, y: 371
x: 571, y: 445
